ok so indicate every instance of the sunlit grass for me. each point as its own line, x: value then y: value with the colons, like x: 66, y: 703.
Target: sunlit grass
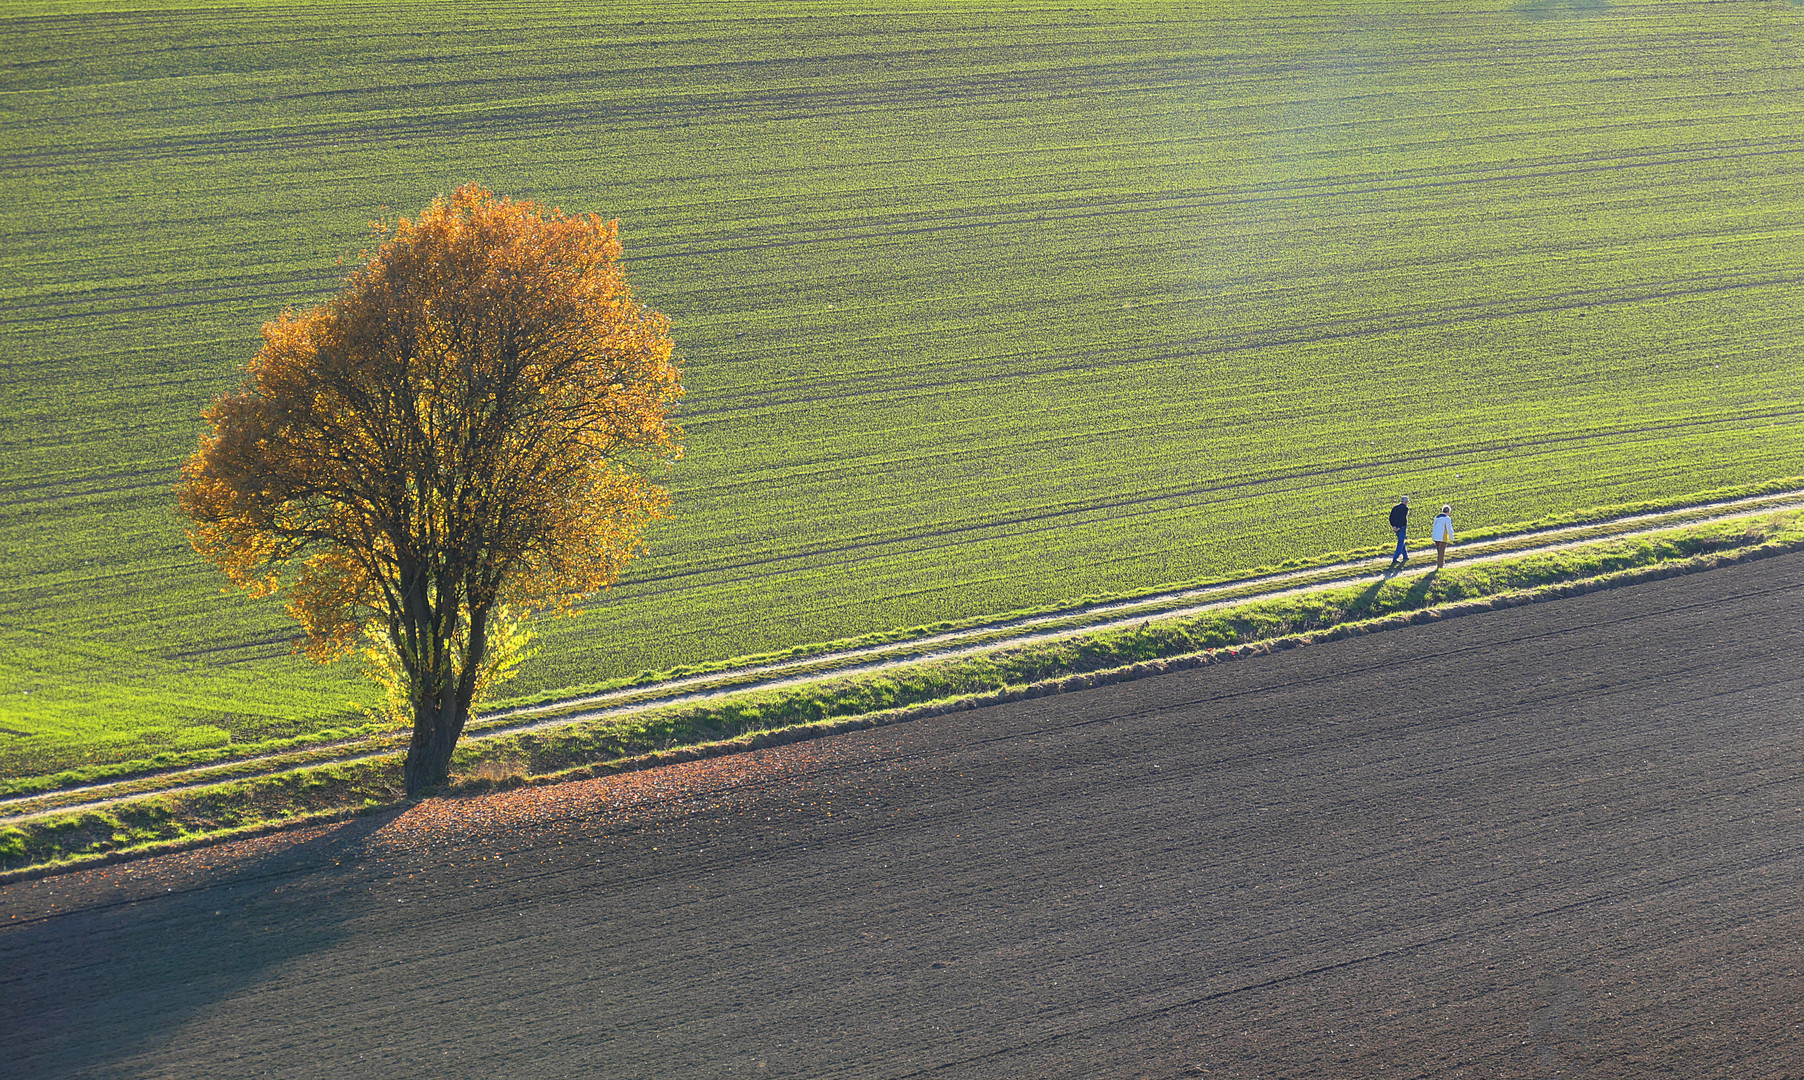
x: 981, y: 309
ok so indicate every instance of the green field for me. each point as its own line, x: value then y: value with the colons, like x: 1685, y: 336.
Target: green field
x: 981, y: 307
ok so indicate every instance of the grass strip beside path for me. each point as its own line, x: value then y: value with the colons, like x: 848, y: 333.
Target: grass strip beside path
x: 757, y: 719
x: 243, y: 760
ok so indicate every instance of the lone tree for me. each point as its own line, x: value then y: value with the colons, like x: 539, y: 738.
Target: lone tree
x: 465, y: 426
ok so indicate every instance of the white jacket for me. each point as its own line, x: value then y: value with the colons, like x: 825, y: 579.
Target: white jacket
x: 1443, y: 529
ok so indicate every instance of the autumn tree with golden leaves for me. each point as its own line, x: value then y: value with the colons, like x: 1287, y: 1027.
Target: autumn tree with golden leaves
x: 466, y: 427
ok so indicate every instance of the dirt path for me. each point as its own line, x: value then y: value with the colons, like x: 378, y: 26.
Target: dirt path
x: 1559, y: 840
x: 872, y: 660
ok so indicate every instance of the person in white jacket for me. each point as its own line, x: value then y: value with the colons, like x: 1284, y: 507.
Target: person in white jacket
x: 1443, y: 535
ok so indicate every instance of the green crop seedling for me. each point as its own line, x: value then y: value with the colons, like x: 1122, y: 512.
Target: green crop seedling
x: 981, y: 308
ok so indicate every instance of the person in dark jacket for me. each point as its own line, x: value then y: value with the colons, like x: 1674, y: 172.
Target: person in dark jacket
x: 1400, y: 522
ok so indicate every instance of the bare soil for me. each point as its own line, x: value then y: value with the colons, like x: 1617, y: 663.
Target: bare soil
x: 1560, y: 840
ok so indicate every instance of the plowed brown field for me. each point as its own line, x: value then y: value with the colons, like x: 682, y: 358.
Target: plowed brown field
x: 1561, y: 840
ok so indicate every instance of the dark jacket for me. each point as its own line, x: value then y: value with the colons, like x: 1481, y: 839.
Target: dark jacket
x: 1400, y: 516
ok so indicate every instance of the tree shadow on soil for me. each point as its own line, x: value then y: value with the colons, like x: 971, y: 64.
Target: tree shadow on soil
x: 96, y: 983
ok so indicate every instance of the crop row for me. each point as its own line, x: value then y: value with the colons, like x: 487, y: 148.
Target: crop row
x: 979, y: 309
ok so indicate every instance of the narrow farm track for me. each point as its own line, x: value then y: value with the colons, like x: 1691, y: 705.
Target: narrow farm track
x: 874, y: 659
x: 1052, y: 520
x: 1564, y: 839
x: 979, y: 309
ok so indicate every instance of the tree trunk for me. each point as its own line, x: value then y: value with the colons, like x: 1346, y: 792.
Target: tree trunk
x: 426, y: 657
x: 439, y: 718
x: 429, y: 754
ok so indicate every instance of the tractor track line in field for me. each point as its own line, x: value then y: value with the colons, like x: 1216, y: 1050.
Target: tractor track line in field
x: 865, y: 660
x: 1119, y: 508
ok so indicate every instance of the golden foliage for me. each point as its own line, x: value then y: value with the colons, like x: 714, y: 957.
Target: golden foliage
x: 465, y: 425
x: 507, y: 648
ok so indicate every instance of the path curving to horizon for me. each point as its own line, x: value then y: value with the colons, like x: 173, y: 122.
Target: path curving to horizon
x: 1565, y: 839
